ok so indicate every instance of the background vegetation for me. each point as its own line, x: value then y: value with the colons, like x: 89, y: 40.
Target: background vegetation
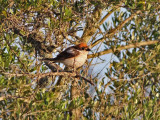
x: 124, y: 63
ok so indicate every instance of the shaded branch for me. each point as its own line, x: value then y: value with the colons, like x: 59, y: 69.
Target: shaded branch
x: 90, y: 31
x: 134, y: 45
x: 41, y: 75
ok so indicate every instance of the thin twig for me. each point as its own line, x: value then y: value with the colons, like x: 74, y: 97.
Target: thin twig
x: 89, y: 81
x: 113, y: 31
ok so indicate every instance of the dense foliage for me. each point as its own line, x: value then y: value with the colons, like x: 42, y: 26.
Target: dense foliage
x: 124, y: 63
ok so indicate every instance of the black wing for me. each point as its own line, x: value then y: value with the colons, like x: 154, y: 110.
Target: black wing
x: 68, y: 53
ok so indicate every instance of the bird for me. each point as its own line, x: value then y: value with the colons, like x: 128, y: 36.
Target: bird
x: 74, y: 56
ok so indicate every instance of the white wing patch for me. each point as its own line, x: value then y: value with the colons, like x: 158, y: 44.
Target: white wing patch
x: 71, y: 51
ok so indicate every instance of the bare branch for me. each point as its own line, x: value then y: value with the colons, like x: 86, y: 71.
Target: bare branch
x: 41, y: 75
x: 90, y: 29
x: 89, y: 32
x: 13, y: 97
x: 85, y: 79
x: 113, y: 31
x: 107, y: 15
x: 134, y: 45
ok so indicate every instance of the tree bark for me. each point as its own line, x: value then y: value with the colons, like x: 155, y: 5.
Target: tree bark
x: 75, y: 94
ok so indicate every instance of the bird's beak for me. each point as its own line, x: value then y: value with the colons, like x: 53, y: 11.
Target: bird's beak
x: 88, y: 49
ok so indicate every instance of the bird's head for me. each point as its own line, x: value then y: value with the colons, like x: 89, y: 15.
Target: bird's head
x: 83, y: 46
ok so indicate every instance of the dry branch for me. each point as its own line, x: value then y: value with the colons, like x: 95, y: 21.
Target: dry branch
x: 134, y: 45
x: 113, y: 31
x: 41, y: 75
x: 89, y: 32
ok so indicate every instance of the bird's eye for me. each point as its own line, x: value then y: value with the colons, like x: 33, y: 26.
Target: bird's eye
x: 83, y: 48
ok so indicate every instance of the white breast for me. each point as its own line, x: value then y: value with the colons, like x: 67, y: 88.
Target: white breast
x: 76, y: 61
